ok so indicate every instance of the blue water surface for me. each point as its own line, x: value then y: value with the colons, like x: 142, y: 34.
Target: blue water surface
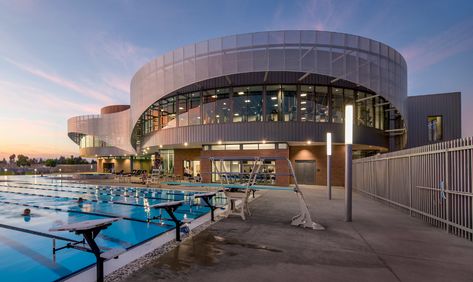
x: 28, y: 257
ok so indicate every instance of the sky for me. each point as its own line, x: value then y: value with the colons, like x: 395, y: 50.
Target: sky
x: 60, y: 59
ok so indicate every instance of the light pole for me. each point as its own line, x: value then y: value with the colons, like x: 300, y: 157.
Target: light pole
x: 348, y: 160
x: 329, y: 165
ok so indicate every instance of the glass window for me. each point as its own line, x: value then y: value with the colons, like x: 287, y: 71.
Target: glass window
x: 167, y: 157
x: 223, y: 106
x: 348, y: 99
x: 360, y: 109
x: 209, y: 106
x: 379, y: 112
x: 435, y: 127
x: 182, y: 110
x: 370, y: 112
x: 307, y: 103
x: 337, y: 105
x: 247, y: 104
x: 168, y: 113
x: 321, y: 104
x: 239, y: 94
x: 272, y: 102
x: 254, y: 104
x: 365, y: 110
x: 250, y: 146
x: 194, y: 108
x: 218, y: 147
x: 232, y: 147
x: 282, y: 146
x: 289, y: 103
x: 267, y: 146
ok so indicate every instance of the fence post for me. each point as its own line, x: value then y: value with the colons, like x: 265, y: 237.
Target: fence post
x: 410, y: 185
x: 447, y: 183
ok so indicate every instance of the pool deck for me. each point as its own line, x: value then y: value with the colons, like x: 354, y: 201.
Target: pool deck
x: 381, y: 244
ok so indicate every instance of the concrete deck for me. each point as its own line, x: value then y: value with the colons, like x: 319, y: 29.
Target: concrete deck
x: 381, y: 244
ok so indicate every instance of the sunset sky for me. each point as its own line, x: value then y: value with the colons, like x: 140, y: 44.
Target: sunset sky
x: 60, y: 59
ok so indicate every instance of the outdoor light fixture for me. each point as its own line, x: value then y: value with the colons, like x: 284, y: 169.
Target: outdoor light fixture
x: 329, y: 144
x: 5, y: 170
x: 274, y: 98
x: 309, y: 142
x: 185, y: 144
x: 160, y: 146
x: 219, y: 142
x: 241, y: 93
x: 329, y: 165
x: 349, y: 124
x: 264, y: 141
x: 348, y: 161
x: 303, y: 94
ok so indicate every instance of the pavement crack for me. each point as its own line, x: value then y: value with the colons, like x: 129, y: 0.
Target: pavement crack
x: 377, y: 255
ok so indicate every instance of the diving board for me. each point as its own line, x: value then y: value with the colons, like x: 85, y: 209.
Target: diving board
x: 170, y: 207
x: 207, y: 197
x: 90, y: 229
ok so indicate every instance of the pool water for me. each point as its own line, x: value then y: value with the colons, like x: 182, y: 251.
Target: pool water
x: 28, y: 257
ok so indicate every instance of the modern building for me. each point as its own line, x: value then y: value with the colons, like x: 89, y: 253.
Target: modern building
x: 265, y: 94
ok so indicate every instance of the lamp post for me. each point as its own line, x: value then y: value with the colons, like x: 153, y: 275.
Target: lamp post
x: 348, y: 160
x: 329, y: 165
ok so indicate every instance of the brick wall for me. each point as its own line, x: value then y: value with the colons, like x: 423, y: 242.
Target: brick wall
x: 181, y: 155
x: 318, y: 153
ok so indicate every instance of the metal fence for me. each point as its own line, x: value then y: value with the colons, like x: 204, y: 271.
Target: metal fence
x: 431, y: 182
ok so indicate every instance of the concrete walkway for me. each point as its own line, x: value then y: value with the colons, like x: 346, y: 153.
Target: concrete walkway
x: 381, y: 244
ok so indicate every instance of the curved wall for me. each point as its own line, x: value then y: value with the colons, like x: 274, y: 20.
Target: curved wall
x: 258, y: 131
x: 114, y: 129
x: 113, y: 109
x: 356, y: 59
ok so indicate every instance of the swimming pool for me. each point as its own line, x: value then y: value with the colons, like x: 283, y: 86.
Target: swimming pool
x: 28, y: 257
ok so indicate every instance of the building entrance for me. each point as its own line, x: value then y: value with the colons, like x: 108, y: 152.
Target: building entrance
x: 108, y: 167
x: 305, y: 172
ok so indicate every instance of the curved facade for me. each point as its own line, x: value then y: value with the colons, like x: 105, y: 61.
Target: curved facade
x: 102, y: 135
x: 278, y: 87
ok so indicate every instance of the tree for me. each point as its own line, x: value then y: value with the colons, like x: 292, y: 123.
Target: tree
x: 4, y: 161
x: 12, y: 158
x: 50, y: 162
x: 23, y: 160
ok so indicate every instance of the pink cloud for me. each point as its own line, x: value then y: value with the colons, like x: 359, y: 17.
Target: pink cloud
x: 117, y: 82
x: 30, y: 98
x: 118, y: 51
x: 63, y: 82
